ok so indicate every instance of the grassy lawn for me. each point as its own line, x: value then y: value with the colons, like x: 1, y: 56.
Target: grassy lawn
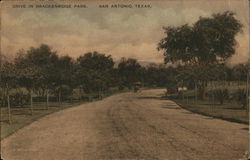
x: 228, y: 111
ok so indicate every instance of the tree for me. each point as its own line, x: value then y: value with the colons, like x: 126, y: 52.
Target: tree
x: 209, y: 41
x: 94, y: 72
x: 65, y: 82
x: 157, y: 75
x: 8, y: 81
x: 37, y: 70
x: 129, y: 71
x: 28, y: 76
x: 240, y: 71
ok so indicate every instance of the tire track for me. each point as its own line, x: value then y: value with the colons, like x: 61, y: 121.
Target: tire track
x: 174, y: 143
x: 118, y: 129
x: 125, y: 127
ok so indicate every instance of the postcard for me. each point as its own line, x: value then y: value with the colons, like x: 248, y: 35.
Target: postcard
x: 124, y: 80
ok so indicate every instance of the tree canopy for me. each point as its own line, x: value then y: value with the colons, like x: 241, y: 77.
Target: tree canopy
x: 129, y: 71
x: 208, y: 41
x: 94, y: 71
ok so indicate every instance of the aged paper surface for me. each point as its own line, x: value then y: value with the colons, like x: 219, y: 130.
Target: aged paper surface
x: 124, y: 80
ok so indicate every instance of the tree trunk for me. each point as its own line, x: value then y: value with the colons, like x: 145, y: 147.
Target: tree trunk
x: 247, y: 97
x: 80, y: 93
x: 9, y: 111
x: 47, y: 99
x: 59, y: 95
x: 221, y: 101
x: 31, y: 103
x: 2, y: 97
x: 202, y: 90
x: 71, y: 99
x: 196, y: 96
x: 99, y: 94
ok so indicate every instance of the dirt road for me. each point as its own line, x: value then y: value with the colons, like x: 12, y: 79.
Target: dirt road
x: 128, y: 126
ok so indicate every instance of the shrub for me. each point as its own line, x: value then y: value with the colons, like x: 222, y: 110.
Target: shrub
x: 19, y: 99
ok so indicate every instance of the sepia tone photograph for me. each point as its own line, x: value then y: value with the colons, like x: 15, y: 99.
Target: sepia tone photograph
x: 124, y: 80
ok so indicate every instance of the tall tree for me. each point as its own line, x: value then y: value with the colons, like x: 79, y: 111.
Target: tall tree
x: 94, y: 71
x: 209, y: 41
x: 38, y: 69
x: 8, y: 81
x: 129, y: 71
x: 240, y: 71
x: 65, y: 82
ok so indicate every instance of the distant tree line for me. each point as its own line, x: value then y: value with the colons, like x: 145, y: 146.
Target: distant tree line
x: 42, y: 71
x: 199, y: 50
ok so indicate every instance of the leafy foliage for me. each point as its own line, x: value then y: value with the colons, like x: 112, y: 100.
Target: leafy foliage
x: 94, y: 71
x: 208, y: 41
x: 129, y: 72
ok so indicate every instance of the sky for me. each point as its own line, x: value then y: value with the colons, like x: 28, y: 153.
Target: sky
x: 120, y: 32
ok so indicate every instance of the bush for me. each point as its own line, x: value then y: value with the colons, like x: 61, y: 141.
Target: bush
x: 19, y: 99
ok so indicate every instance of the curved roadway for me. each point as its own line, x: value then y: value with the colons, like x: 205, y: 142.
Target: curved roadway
x: 128, y: 126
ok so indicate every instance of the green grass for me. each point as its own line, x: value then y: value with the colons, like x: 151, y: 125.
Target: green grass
x: 229, y: 111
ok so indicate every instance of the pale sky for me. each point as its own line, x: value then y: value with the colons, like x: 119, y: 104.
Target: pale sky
x: 123, y: 32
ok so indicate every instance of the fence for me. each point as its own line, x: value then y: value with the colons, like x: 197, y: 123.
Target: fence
x: 223, y: 99
x: 23, y: 104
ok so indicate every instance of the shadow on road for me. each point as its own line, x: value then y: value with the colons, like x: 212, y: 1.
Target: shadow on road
x: 151, y: 97
x: 187, y: 112
x: 235, y: 108
x: 245, y: 129
x: 171, y: 107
